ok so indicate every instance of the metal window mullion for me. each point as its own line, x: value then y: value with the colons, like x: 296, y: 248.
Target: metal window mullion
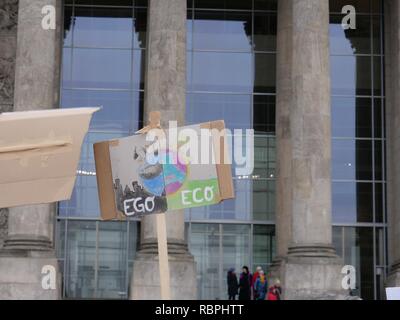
x: 343, y: 244
x: 384, y: 144
x: 96, y: 263
x: 127, y: 274
x: 220, y: 262
x: 66, y: 271
x: 373, y: 147
x: 251, y: 244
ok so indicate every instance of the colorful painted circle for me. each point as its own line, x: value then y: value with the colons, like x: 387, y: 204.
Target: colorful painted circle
x: 175, y: 172
x: 171, y: 174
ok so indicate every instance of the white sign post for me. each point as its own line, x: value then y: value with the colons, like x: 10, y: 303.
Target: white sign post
x: 161, y: 225
x: 163, y: 257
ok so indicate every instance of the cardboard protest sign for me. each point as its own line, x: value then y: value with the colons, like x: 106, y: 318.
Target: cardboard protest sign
x: 393, y: 293
x: 131, y: 185
x: 39, y: 154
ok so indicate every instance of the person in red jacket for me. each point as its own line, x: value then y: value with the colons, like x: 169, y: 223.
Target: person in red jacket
x: 274, y: 292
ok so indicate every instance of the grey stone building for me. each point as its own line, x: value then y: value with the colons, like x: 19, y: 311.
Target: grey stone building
x: 322, y: 99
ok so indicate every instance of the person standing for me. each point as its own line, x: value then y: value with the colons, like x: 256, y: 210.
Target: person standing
x: 260, y: 286
x: 253, y: 282
x: 275, y: 291
x: 245, y: 284
x: 232, y: 284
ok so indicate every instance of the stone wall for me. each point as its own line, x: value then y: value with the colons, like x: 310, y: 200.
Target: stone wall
x: 8, y: 48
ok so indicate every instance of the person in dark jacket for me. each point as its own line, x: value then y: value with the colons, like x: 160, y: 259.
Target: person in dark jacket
x: 232, y: 284
x: 245, y: 284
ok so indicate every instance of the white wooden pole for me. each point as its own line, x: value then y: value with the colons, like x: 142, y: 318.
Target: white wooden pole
x: 165, y: 285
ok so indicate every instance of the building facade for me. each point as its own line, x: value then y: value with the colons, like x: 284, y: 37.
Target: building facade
x: 322, y: 99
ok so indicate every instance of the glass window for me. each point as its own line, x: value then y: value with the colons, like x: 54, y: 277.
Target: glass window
x: 68, y: 26
x: 216, y: 249
x: 377, y: 76
x: 264, y: 73
x: 102, y: 27
x: 350, y: 41
x: 95, y: 259
x: 379, y: 208
x: 205, y: 247
x: 352, y: 202
x: 60, y: 239
x: 134, y: 239
x: 378, y: 119
x: 356, y: 70
x: 236, y: 250
x: 378, y: 158
x: 223, y: 4
x: 264, y: 157
x: 352, y: 160
x: 266, y: 5
x: 140, y: 28
x: 222, y: 30
x: 120, y: 109
x: 337, y: 240
x: 141, y: 3
x: 105, y: 2
x: 380, y: 244
x: 139, y: 67
x: 361, y: 6
x: 264, y: 114
x: 263, y: 246
x: 234, y: 109
x: 265, y: 31
x: 351, y: 117
x: 222, y: 72
x: 355, y: 246
x: 359, y: 252
x: 376, y: 6
x: 66, y: 66
x: 264, y: 200
x: 351, y: 75
x: 100, y: 68
x: 377, y: 41
x: 189, y: 30
x: 112, y: 258
x: 84, y: 199
x: 80, y: 278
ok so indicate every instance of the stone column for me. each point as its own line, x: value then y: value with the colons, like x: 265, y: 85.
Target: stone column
x: 165, y: 92
x: 392, y: 80
x: 309, y: 267
x: 29, y: 244
x: 8, y: 52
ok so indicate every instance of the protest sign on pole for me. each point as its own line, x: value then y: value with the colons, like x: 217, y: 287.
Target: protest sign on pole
x: 141, y: 175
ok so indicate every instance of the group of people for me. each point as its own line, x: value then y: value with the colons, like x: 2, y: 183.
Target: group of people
x: 252, y: 286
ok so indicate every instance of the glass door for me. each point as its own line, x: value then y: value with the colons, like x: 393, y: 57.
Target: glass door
x: 217, y: 248
x: 96, y: 260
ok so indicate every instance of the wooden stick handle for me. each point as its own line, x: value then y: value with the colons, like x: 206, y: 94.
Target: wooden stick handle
x: 165, y: 285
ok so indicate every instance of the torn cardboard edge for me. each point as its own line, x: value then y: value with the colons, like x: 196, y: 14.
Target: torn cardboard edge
x: 108, y: 205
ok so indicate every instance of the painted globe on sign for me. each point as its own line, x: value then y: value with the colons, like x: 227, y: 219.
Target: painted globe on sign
x: 175, y: 172
x: 151, y: 177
